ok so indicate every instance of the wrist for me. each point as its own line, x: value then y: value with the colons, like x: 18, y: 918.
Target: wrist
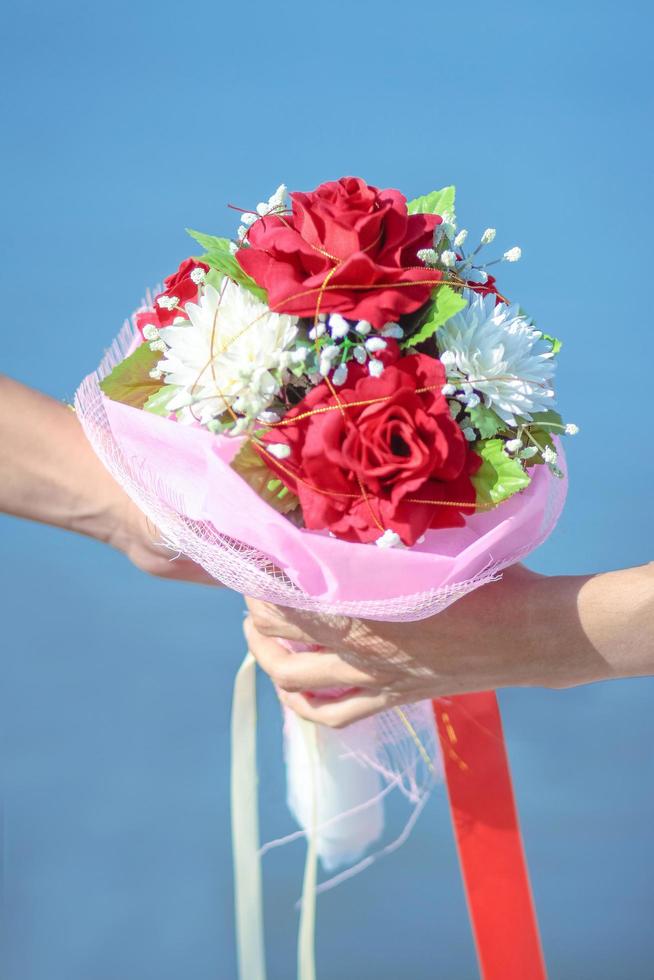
x: 100, y: 515
x: 94, y: 503
x: 562, y: 652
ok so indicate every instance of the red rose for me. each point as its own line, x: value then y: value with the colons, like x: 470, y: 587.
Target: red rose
x: 181, y: 286
x: 401, y: 449
x: 363, y: 233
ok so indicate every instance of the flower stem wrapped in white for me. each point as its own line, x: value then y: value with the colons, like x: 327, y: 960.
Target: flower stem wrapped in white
x: 350, y: 814
x: 229, y: 355
x: 496, y: 350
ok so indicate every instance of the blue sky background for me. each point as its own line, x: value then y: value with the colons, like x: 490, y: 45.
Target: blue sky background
x: 124, y: 123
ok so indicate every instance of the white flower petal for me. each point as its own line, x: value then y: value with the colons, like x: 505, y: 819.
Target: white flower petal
x: 231, y: 349
x: 495, y: 350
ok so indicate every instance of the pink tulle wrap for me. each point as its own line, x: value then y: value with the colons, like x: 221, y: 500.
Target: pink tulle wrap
x: 181, y: 477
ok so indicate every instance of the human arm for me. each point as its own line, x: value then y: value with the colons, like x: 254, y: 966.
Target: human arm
x: 525, y: 630
x: 49, y: 473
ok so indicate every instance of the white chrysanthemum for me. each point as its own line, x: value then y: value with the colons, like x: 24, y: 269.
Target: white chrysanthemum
x: 497, y: 351
x: 229, y: 354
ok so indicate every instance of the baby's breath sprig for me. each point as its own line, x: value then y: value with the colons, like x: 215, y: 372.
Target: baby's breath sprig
x: 337, y: 341
x: 448, y: 255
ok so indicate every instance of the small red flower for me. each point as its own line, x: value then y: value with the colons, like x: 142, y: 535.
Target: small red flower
x: 145, y: 318
x: 180, y: 286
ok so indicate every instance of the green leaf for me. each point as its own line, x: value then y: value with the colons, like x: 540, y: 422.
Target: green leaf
x: 251, y: 466
x: 554, y: 341
x: 549, y: 421
x: 539, y: 432
x: 209, y: 242
x: 486, y: 421
x: 158, y: 403
x: 130, y: 381
x: 499, y: 476
x: 447, y: 302
x: 219, y: 257
x: 297, y: 370
x: 214, y: 278
x: 540, y: 440
x: 438, y: 202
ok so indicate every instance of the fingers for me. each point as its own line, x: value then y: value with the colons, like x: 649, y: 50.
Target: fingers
x: 336, y: 714
x: 298, y: 625
x: 294, y: 673
x: 303, y: 671
x: 270, y: 620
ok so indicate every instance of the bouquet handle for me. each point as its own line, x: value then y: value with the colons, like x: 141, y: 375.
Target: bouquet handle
x: 488, y: 837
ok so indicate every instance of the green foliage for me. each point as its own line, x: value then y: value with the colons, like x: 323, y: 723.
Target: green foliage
x: 130, y: 381
x: 310, y: 363
x: 251, y: 466
x: 209, y: 242
x: 438, y: 202
x: 486, y: 421
x: 158, y: 403
x: 554, y: 341
x: 499, y: 476
x: 540, y: 440
x: 214, y: 278
x: 447, y: 302
x: 539, y: 434
x: 219, y: 257
x: 549, y: 421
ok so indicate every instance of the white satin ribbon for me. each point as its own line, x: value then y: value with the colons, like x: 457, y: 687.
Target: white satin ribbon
x: 245, y: 826
x: 248, y: 896
x: 306, y: 954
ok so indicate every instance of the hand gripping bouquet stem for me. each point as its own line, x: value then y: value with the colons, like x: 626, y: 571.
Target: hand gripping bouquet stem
x: 338, y: 411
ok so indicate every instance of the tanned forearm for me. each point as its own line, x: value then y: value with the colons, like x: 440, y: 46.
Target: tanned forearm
x: 49, y: 473
x: 48, y: 470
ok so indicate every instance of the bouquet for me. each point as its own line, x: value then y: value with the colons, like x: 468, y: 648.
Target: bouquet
x: 336, y: 410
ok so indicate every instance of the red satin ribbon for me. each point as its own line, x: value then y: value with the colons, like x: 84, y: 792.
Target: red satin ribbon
x: 488, y: 837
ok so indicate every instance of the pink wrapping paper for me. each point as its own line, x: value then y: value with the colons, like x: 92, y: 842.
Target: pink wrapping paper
x: 194, y: 466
